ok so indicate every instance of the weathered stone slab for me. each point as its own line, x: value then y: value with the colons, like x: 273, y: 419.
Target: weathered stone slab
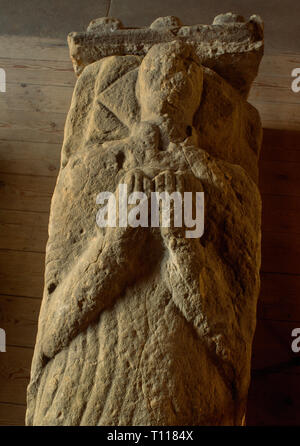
x: 144, y: 325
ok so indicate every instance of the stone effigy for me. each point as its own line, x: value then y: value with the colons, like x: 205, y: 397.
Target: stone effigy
x: 144, y: 326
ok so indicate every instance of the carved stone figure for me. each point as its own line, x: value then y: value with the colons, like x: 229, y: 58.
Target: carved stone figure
x: 144, y: 326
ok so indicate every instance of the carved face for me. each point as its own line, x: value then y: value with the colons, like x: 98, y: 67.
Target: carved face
x: 170, y: 83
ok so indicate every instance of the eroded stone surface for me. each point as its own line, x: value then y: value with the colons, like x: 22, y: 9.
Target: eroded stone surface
x: 143, y: 326
x: 231, y: 46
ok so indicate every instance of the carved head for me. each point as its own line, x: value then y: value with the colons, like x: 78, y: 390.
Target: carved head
x: 169, y: 86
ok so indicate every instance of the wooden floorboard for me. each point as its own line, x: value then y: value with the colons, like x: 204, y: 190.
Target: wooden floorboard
x: 280, y: 252
x: 21, y: 273
x: 280, y: 178
x: 18, y: 317
x: 34, y: 48
x: 280, y: 145
x: 31, y: 97
x: 32, y: 126
x: 23, y: 231
x: 12, y: 414
x: 39, y: 72
x: 29, y: 158
x: 26, y: 192
x: 272, y: 346
x: 14, y: 374
x: 279, y: 297
x: 274, y: 399
x: 281, y: 213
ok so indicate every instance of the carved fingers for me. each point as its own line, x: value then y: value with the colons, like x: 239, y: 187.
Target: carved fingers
x: 170, y: 186
x: 166, y: 201
x: 129, y: 206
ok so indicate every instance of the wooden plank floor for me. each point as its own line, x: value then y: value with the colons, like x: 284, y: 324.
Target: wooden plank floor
x: 32, y: 115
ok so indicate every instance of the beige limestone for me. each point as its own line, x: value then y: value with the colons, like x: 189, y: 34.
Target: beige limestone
x: 143, y: 326
x: 230, y: 46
